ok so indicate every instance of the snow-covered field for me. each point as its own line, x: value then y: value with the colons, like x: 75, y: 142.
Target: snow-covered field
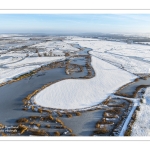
x: 129, y: 64
x: 81, y: 93
x: 129, y: 56
x: 141, y: 126
x: 9, y: 71
x: 17, y: 62
x: 57, y: 47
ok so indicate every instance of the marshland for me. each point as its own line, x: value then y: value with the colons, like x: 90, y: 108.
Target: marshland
x: 107, y: 97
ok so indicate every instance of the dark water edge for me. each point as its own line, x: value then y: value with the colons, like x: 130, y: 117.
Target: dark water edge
x: 131, y: 88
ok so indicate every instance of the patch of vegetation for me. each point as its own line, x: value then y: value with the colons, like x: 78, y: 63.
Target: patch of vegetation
x: 78, y: 113
x: 70, y: 130
x: 3, y: 134
x: 38, y: 125
x: 59, y: 121
x: 34, y: 117
x: 25, y: 109
x: 128, y: 132
x: 59, y: 114
x: 137, y: 79
x: 106, y: 101
x: 31, y: 123
x: 69, y: 115
x: 32, y: 107
x: 56, y: 133
x: 47, y: 126
x: 38, y: 132
x: 22, y: 120
x: 138, y: 108
x: 22, y: 128
x: 50, y: 117
x: 48, y: 111
x: 101, y: 131
x: 1, y: 125
x: 40, y: 110
x: 97, y: 125
x: 72, y: 134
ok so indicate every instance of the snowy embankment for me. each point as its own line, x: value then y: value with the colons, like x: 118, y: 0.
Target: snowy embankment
x: 124, y: 128
x: 141, y: 126
x: 9, y: 71
x: 82, y: 93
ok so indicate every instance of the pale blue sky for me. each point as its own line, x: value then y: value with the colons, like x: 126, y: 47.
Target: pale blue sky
x: 74, y: 23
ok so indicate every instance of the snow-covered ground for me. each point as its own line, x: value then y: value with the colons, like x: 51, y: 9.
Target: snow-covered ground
x: 129, y: 56
x: 81, y: 93
x: 9, y: 71
x: 127, y: 63
x: 55, y: 46
x: 17, y: 62
x: 141, y: 126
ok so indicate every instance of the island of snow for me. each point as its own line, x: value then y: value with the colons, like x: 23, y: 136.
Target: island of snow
x: 82, y: 93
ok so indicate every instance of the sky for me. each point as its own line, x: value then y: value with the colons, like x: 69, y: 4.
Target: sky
x: 74, y: 23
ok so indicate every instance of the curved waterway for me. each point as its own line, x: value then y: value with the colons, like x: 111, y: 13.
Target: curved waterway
x: 130, y: 89
x: 11, y: 95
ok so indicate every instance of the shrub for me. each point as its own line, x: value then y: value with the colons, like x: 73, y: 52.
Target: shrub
x: 144, y: 78
x: 22, y: 128
x: 25, y: 102
x: 40, y: 110
x: 128, y: 132
x: 137, y: 79
x: 68, y: 115
x: 56, y: 133
x: 32, y: 107
x: 49, y: 111
x: 33, y: 117
x: 116, y: 110
x: 1, y: 125
x: 50, y: 117
x: 59, y: 127
x: 72, y: 134
x: 106, y: 102
x: 25, y: 109
x: 78, y: 113
x: 39, y: 132
x: 38, y: 125
x: 59, y: 114
x: 138, y: 108
x: 4, y: 134
x: 47, y: 126
x: 31, y: 123
x: 101, y: 131
x: 59, y: 121
x: 22, y: 120
x: 70, y: 130
x: 64, y: 127
x: 98, y: 125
